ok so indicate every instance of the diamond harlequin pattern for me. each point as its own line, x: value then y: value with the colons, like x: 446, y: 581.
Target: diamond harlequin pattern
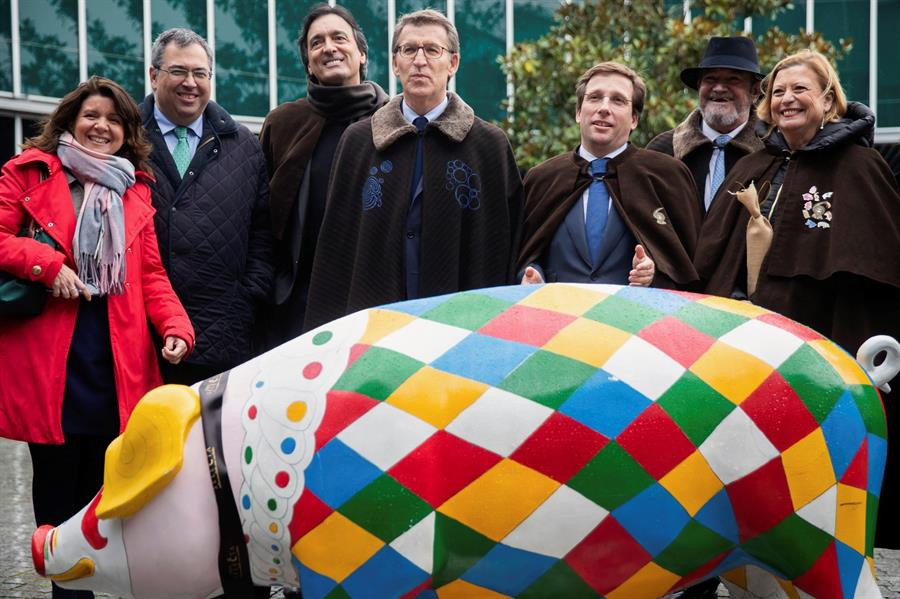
x: 582, y: 440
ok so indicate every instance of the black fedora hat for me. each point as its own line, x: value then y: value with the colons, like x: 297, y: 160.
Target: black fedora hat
x: 738, y: 53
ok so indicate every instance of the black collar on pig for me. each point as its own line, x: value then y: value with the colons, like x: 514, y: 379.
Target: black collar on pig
x: 234, y: 565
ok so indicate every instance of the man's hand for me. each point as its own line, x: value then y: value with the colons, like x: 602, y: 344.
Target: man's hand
x: 532, y: 276
x: 67, y: 285
x: 642, y: 268
x: 175, y: 348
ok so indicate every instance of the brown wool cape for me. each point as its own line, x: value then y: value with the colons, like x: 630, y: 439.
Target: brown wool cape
x: 654, y: 194
x: 471, y: 211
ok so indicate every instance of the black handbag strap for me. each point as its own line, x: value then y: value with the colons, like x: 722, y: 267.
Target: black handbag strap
x: 234, y: 564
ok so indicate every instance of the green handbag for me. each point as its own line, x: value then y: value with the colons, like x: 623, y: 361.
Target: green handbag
x: 19, y: 297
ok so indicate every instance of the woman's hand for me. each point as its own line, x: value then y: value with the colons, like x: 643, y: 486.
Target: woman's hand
x: 532, y: 276
x: 174, y: 349
x: 67, y: 285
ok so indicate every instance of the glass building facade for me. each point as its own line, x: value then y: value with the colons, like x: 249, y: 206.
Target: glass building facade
x: 48, y: 46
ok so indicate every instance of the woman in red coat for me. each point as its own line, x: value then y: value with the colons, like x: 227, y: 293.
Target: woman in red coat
x: 71, y: 376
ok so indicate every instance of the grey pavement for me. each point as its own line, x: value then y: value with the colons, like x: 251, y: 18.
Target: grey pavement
x: 18, y: 579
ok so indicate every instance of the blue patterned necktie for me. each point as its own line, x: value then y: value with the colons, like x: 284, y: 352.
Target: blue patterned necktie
x: 597, y: 208
x: 420, y: 122
x: 718, y: 174
x: 181, y: 153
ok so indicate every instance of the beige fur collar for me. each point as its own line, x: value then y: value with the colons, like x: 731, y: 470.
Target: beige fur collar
x: 688, y: 136
x: 389, y: 125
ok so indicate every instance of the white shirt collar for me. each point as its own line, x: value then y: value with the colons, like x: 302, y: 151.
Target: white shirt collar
x: 166, y: 126
x: 410, y: 115
x: 711, y: 134
x: 590, y: 157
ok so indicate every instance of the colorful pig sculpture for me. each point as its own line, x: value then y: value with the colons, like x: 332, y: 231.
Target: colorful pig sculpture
x: 556, y: 441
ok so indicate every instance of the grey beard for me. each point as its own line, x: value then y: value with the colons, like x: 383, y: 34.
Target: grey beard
x: 722, y: 121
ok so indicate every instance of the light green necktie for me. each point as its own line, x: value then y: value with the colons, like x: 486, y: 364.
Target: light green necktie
x: 182, y: 151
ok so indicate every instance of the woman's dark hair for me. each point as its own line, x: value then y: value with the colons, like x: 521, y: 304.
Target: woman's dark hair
x: 135, y: 148
x: 320, y: 10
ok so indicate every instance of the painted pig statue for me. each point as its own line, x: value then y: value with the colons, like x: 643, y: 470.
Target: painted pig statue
x: 556, y: 441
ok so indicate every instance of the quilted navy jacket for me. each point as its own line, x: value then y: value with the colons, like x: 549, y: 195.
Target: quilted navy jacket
x: 214, y: 233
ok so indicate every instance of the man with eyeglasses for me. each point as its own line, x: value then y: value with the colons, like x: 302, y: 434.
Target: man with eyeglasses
x: 299, y: 140
x: 609, y: 212
x: 211, y: 201
x: 425, y: 197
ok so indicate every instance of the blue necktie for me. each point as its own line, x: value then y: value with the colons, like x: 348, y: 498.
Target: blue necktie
x: 420, y: 122
x: 181, y: 153
x: 718, y: 174
x: 597, y: 208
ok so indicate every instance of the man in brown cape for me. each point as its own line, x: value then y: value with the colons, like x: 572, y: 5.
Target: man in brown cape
x: 608, y: 212
x: 299, y: 140
x: 425, y: 198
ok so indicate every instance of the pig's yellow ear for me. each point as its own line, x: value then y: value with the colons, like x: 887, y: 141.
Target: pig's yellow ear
x: 147, y: 456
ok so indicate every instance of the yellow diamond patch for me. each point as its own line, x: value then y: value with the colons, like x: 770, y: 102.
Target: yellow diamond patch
x: 435, y: 396
x: 732, y: 372
x: 564, y: 298
x: 807, y: 465
x: 382, y: 323
x: 336, y: 547
x: 500, y: 499
x: 587, y: 341
x: 692, y: 483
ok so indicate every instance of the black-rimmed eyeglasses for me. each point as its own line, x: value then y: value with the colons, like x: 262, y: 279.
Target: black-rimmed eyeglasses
x: 432, y: 51
x: 181, y: 73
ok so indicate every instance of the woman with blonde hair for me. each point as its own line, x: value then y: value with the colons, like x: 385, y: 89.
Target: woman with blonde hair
x: 72, y: 374
x: 833, y: 212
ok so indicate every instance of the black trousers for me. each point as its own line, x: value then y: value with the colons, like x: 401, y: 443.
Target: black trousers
x: 66, y: 478
x: 187, y: 374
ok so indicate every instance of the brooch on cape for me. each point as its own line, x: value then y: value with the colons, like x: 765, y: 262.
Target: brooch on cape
x: 465, y: 184
x: 372, y: 188
x: 817, y: 209
x: 659, y: 215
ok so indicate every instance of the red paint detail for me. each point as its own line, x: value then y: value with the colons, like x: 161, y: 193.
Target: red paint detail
x: 424, y: 586
x: 823, y: 580
x: 857, y: 473
x: 761, y: 499
x: 282, y: 479
x: 309, y: 512
x: 38, y: 537
x: 795, y: 328
x: 90, y: 525
x: 779, y: 412
x: 688, y: 294
x: 341, y: 410
x: 525, y: 324
x: 442, y: 466
x: 701, y: 573
x: 560, y: 447
x: 312, y: 370
x: 252, y: 412
x: 355, y: 352
x: 656, y: 441
x: 679, y: 341
x: 607, y: 557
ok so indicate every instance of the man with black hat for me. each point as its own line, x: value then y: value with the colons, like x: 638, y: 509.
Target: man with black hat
x: 722, y: 130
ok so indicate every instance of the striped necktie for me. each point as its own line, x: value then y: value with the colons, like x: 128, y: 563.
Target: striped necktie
x: 718, y: 174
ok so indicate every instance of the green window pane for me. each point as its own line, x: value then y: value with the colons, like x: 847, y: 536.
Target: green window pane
x: 242, y: 57
x: 291, y: 74
x: 49, y: 46
x: 5, y: 46
x: 371, y: 15
x: 178, y: 13
x: 888, y: 74
x: 532, y: 18
x: 407, y: 6
x: 482, y: 29
x: 114, y: 33
x: 791, y: 20
x: 838, y: 19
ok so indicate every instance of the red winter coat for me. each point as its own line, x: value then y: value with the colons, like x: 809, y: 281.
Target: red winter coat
x: 33, y: 351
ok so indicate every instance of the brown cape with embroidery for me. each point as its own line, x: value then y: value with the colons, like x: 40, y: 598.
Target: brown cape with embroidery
x: 842, y: 280
x: 641, y: 183
x: 471, y: 211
